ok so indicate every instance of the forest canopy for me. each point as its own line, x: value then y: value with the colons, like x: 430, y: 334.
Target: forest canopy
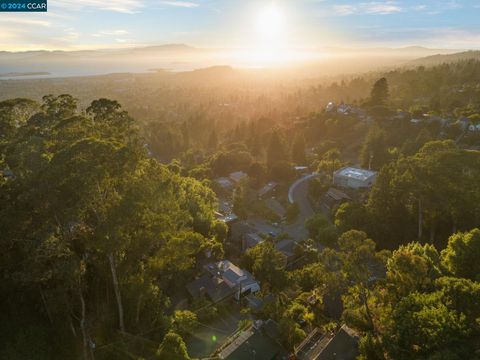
x: 95, y: 234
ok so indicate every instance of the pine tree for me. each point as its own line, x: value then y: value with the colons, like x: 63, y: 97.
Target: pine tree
x: 380, y: 92
x: 213, y: 140
x: 172, y: 348
x: 298, y: 150
x: 256, y: 148
x: 374, y: 153
x: 276, y: 151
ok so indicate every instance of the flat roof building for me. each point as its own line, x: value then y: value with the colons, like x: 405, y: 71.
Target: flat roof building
x: 354, y: 178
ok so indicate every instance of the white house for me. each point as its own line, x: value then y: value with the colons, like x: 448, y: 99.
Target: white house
x: 344, y: 109
x: 330, y: 107
x: 474, y: 128
x: 238, y: 279
x: 354, y: 178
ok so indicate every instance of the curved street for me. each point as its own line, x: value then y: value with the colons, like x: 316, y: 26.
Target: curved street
x: 298, y: 193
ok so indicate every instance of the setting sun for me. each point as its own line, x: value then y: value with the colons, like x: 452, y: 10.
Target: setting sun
x: 268, y: 42
x: 270, y: 22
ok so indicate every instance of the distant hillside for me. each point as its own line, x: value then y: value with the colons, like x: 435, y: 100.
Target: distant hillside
x: 442, y: 59
x: 408, y: 53
x: 185, y: 58
x: 104, y: 61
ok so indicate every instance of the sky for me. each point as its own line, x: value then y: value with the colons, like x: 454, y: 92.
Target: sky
x: 242, y: 24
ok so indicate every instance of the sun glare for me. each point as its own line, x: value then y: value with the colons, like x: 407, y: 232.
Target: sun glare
x: 269, y: 37
x: 270, y: 22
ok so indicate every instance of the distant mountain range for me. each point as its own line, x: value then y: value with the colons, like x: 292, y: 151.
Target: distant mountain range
x: 178, y: 48
x: 181, y: 57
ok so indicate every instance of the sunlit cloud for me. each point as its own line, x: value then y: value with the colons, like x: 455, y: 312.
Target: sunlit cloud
x: 184, y: 4
x: 121, y: 6
x: 25, y: 21
x: 388, y: 7
x: 374, y: 8
x: 102, y: 33
x: 345, y: 9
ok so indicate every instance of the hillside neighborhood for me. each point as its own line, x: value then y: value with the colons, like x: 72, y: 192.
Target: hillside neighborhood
x: 278, y: 212
x: 225, y: 282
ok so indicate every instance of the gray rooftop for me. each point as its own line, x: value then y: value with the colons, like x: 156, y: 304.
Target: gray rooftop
x: 356, y: 173
x: 267, y: 188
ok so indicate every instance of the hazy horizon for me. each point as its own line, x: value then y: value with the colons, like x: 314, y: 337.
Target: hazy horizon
x: 183, y: 57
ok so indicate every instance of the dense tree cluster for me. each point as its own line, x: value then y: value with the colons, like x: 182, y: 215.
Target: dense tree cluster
x: 414, y: 303
x: 95, y: 235
x: 425, y: 196
x: 423, y: 309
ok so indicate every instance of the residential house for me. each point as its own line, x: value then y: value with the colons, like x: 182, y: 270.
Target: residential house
x: 267, y: 189
x: 402, y: 115
x: 227, y: 219
x: 222, y: 280
x: 223, y: 187
x: 238, y: 231
x: 341, y: 345
x: 416, y: 121
x: 474, y: 128
x: 259, y: 342
x: 354, y: 178
x: 225, y: 206
x: 333, y: 198
x: 250, y: 240
x: 361, y: 113
x: 344, y: 109
x: 225, y: 183
x: 287, y: 248
x: 330, y: 107
x: 237, y: 176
